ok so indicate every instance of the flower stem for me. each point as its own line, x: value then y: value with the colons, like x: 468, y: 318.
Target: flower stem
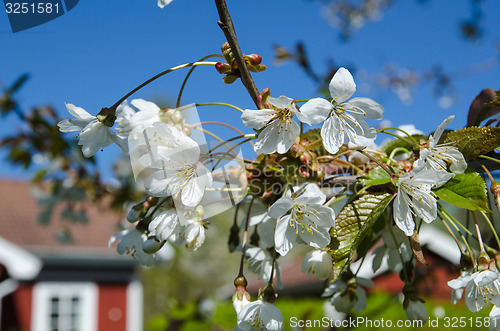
x: 178, y: 103
x: 486, y: 170
x: 442, y: 212
x: 489, y: 158
x: 219, y: 104
x: 226, y: 24
x: 479, y: 237
x: 192, y: 64
x: 491, y: 227
x: 245, y: 237
x: 412, y: 142
x: 389, y: 171
x: 223, y: 124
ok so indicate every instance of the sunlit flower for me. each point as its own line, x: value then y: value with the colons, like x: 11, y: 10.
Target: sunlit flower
x: 415, y: 198
x: 495, y: 319
x: 318, y: 263
x: 163, y: 3
x: 128, y: 119
x: 177, y: 158
x: 164, y: 225
x: 342, y: 117
x: 261, y: 262
x: 482, y: 287
x: 302, y: 216
x: 439, y: 157
x: 279, y: 129
x: 458, y: 285
x: 130, y: 241
x: 261, y: 315
x: 193, y: 233
x: 94, y: 134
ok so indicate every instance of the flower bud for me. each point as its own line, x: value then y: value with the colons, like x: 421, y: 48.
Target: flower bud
x: 223, y: 68
x: 253, y: 59
x: 483, y: 262
x: 135, y: 213
x: 262, y: 98
x: 226, y: 51
x: 234, y: 238
x: 495, y: 189
x: 151, y: 245
x: 241, y: 297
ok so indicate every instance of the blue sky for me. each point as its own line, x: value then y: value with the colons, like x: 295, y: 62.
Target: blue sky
x: 100, y: 50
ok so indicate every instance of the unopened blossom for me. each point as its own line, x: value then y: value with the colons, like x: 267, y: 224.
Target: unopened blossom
x: 302, y: 217
x: 128, y: 119
x: 240, y: 300
x: 130, y: 241
x: 343, y: 117
x: 179, y: 170
x: 94, y: 134
x: 414, y: 197
x: 260, y: 315
x: 279, y: 130
x: 441, y: 156
x: 318, y: 263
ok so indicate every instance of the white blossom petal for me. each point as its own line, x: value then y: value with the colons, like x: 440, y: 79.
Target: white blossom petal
x: 332, y: 133
x: 257, y: 118
x: 367, y: 108
x: 315, y: 111
x: 281, y: 207
x: 342, y: 85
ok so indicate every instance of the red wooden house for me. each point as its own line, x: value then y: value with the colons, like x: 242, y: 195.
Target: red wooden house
x: 47, y: 285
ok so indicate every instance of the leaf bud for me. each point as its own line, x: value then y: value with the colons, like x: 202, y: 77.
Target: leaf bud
x: 229, y: 79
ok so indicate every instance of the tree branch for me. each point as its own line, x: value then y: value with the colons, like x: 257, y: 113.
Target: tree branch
x: 226, y: 24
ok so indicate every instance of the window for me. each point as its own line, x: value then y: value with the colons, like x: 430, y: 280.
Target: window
x: 64, y: 307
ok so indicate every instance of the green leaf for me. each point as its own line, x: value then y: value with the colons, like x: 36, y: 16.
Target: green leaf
x: 466, y: 191
x: 377, y: 176
x: 475, y: 141
x: 352, y: 224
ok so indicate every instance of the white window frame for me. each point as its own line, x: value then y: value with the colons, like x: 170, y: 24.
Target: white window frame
x: 41, y: 305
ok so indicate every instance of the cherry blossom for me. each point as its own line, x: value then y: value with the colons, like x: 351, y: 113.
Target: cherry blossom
x: 342, y: 117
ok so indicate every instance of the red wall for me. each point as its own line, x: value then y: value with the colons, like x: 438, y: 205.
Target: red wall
x: 16, y: 309
x: 112, y: 307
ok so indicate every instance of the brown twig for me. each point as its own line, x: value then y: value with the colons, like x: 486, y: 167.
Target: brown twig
x: 226, y: 24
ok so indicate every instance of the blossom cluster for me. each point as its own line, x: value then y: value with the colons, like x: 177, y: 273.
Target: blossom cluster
x: 184, y: 178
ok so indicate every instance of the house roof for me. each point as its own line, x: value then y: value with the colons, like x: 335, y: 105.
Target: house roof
x: 19, y: 224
